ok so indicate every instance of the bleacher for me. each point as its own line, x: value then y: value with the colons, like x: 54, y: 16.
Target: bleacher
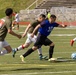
x: 30, y: 15
x: 64, y: 9
x: 56, y: 3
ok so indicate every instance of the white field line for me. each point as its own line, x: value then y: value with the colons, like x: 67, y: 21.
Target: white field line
x: 23, y: 26
x: 32, y: 65
x: 58, y: 34
x: 41, y: 73
x: 71, y: 27
x: 63, y: 34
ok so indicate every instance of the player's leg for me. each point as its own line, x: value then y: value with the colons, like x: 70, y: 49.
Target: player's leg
x: 1, y: 46
x: 13, y: 25
x: 6, y: 46
x: 48, y: 42
x: 25, y: 45
x: 21, y: 47
x: 28, y: 52
x: 17, y: 25
x: 37, y: 45
x: 39, y: 49
x: 72, y: 41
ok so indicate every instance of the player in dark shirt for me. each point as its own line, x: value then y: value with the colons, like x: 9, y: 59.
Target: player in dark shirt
x: 29, y: 40
x: 45, y: 29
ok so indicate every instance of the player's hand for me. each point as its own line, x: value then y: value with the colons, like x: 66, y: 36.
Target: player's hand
x: 64, y: 25
x: 23, y: 35
x: 19, y: 36
x: 32, y: 35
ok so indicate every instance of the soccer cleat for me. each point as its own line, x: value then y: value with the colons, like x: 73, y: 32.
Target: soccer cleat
x: 14, y: 52
x: 42, y: 57
x: 22, y: 58
x: 52, y: 59
x: 71, y: 42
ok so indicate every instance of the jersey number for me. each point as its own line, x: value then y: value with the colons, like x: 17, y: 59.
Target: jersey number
x: 50, y: 29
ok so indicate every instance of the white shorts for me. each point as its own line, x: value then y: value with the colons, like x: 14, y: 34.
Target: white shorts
x: 17, y: 20
x: 3, y: 44
x: 30, y: 39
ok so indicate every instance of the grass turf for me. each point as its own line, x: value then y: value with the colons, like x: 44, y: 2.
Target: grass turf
x: 34, y: 66
x: 17, y: 5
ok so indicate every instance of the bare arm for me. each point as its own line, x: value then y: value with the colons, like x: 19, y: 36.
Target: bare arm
x: 13, y: 33
x: 36, y: 28
x: 62, y: 25
x: 26, y: 30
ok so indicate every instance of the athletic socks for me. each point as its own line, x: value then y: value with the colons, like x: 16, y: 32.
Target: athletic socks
x: 39, y: 51
x: 51, y: 49
x: 19, y: 48
x: 28, y: 52
x: 74, y: 39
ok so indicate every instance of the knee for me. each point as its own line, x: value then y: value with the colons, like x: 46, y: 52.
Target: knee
x: 52, y: 44
x: 25, y: 45
x: 34, y: 48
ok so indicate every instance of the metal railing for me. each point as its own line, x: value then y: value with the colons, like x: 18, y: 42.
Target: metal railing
x: 35, y: 2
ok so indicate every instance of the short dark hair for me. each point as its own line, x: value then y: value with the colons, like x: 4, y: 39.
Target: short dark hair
x: 43, y: 15
x: 8, y: 11
x: 53, y: 16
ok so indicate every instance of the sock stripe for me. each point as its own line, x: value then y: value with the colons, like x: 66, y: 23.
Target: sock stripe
x: 23, y: 46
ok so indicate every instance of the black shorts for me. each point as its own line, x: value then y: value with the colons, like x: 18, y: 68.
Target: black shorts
x: 42, y: 40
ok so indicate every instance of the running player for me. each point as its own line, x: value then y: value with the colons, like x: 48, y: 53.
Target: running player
x: 29, y: 40
x: 45, y: 29
x: 16, y: 21
x: 72, y: 41
x: 6, y: 26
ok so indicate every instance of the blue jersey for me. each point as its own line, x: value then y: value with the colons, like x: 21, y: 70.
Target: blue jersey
x: 47, y: 27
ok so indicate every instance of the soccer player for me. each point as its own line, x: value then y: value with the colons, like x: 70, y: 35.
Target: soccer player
x: 30, y: 39
x: 45, y: 29
x: 6, y: 26
x: 72, y: 41
x: 16, y: 21
x: 48, y: 13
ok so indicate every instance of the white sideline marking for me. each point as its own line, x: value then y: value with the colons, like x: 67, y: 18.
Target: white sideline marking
x: 39, y: 65
x: 59, y: 34
x: 35, y: 73
x: 23, y: 26
x: 71, y: 27
x: 63, y: 34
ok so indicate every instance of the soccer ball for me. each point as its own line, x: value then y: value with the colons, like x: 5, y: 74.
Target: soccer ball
x: 73, y: 56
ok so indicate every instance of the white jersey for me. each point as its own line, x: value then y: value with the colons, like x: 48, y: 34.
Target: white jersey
x: 17, y: 17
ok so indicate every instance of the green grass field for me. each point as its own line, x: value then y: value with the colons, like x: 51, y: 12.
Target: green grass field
x: 17, y: 5
x: 33, y: 66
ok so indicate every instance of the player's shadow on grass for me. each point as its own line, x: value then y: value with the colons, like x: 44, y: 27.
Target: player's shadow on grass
x: 65, y: 60
x: 21, y: 69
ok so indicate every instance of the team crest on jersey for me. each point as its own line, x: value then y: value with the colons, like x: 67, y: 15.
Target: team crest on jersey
x: 1, y: 22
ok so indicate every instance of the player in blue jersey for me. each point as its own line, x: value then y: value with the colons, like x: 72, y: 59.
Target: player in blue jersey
x: 45, y: 29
